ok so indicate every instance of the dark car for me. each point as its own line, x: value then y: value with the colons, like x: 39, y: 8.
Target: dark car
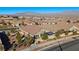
x: 50, y: 33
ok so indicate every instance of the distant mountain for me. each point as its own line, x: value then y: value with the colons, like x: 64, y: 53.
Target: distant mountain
x: 35, y: 14
x: 70, y: 13
x: 28, y: 14
x: 76, y: 13
x: 48, y: 14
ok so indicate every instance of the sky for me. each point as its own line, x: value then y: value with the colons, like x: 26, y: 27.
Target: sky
x: 13, y: 10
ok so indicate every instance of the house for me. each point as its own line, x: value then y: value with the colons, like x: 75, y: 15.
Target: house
x: 74, y: 28
x: 52, y: 36
x: 62, y: 35
x: 56, y: 27
x: 28, y: 22
x: 31, y: 29
x: 70, y: 33
x: 36, y: 30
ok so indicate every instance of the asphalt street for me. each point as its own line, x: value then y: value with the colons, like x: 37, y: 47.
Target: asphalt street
x: 70, y: 46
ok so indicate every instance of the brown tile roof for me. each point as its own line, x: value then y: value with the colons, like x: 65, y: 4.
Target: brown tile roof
x: 32, y: 29
x: 58, y: 26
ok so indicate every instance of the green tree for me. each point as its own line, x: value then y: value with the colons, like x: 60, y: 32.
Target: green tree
x: 30, y: 40
x: 24, y: 41
x: 66, y: 32
x: 8, y: 33
x: 74, y: 32
x: 44, y: 36
x: 13, y: 30
x: 36, y: 23
x: 57, y: 34
x: 68, y: 21
x: 18, y: 37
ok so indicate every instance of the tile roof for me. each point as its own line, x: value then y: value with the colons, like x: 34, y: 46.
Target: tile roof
x: 33, y: 29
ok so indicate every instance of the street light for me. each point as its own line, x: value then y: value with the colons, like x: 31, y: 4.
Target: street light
x: 60, y: 46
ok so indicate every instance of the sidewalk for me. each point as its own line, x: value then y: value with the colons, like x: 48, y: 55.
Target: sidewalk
x: 47, y: 44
